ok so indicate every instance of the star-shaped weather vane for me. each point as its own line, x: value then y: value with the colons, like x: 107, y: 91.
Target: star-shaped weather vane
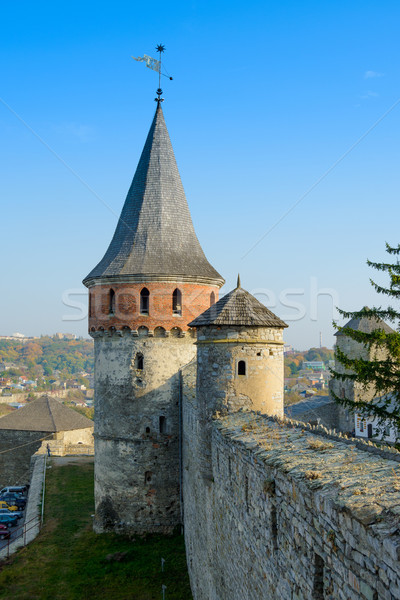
x: 155, y: 65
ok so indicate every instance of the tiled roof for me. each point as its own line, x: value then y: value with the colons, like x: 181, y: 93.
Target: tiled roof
x: 366, y: 325
x: 155, y: 234
x: 238, y: 308
x: 44, y: 414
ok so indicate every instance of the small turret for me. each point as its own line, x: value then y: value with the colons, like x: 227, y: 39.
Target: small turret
x: 239, y: 360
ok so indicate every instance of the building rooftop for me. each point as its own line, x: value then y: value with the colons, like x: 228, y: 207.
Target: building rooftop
x: 366, y: 325
x: 238, y: 307
x: 155, y: 237
x: 44, y: 414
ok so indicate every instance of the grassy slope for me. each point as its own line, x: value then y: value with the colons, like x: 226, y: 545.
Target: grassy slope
x: 68, y: 561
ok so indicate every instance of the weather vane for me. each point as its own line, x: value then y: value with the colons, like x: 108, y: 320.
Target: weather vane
x: 155, y: 65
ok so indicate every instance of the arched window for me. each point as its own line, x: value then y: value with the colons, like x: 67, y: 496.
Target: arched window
x: 177, y: 302
x: 148, y: 476
x: 241, y: 367
x: 111, y: 302
x: 212, y: 298
x: 159, y: 332
x: 175, y: 332
x: 144, y: 301
x: 139, y: 362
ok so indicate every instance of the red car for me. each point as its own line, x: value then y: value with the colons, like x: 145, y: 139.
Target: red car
x: 4, y: 533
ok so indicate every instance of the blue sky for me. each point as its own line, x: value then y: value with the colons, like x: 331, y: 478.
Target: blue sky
x: 266, y: 99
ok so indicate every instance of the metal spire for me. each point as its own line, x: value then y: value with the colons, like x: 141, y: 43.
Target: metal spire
x: 155, y: 65
x: 238, y: 281
x: 160, y: 49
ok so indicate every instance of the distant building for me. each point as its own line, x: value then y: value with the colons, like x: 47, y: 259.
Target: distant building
x: 352, y: 389
x: 29, y: 429
x: 314, y: 365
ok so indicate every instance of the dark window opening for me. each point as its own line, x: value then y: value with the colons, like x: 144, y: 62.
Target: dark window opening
x: 274, y: 526
x: 144, y: 301
x: 163, y: 425
x: 318, y: 588
x: 241, y: 367
x: 177, y: 302
x: 148, y: 477
x: 90, y: 305
x: 139, y: 362
x: 111, y: 302
x: 212, y: 298
x: 147, y: 429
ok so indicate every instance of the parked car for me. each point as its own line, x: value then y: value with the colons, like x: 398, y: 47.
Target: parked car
x: 15, y: 513
x: 10, y: 520
x: 8, y: 506
x: 15, y: 500
x: 4, y: 533
x: 18, y: 489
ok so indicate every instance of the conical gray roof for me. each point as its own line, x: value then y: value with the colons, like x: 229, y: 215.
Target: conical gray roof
x: 155, y: 236
x: 45, y: 414
x: 366, y: 325
x: 238, y: 308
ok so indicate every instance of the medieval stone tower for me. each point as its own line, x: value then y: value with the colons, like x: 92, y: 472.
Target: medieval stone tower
x: 153, y: 280
x: 239, y: 362
x: 353, y: 349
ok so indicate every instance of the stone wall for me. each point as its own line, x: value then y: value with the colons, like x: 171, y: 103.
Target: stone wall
x: 137, y: 428
x: 72, y: 442
x: 16, y: 450
x: 289, y: 514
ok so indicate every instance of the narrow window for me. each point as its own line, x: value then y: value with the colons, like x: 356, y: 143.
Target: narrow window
x: 111, y: 302
x: 177, y: 302
x: 361, y: 425
x: 241, y: 367
x: 148, y: 476
x: 212, y: 298
x: 139, y: 362
x: 90, y: 305
x: 144, y: 301
x: 318, y: 588
x: 274, y: 525
x: 163, y: 425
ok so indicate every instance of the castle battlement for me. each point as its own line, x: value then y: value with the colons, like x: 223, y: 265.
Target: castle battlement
x: 290, y: 513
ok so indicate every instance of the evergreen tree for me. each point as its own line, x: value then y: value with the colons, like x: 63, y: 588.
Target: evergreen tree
x: 381, y: 372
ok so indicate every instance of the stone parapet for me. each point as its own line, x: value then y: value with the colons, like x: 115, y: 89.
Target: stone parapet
x: 290, y: 512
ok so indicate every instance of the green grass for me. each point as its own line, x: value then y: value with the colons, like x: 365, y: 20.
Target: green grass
x: 67, y: 561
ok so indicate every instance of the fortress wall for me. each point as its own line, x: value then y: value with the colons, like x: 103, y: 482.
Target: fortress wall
x: 16, y: 450
x: 288, y: 514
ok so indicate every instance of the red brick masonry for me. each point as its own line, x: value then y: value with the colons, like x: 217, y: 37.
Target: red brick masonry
x: 196, y: 299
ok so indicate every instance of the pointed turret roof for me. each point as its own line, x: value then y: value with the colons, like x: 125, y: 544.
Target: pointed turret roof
x: 366, y: 325
x: 238, y: 307
x: 155, y: 237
